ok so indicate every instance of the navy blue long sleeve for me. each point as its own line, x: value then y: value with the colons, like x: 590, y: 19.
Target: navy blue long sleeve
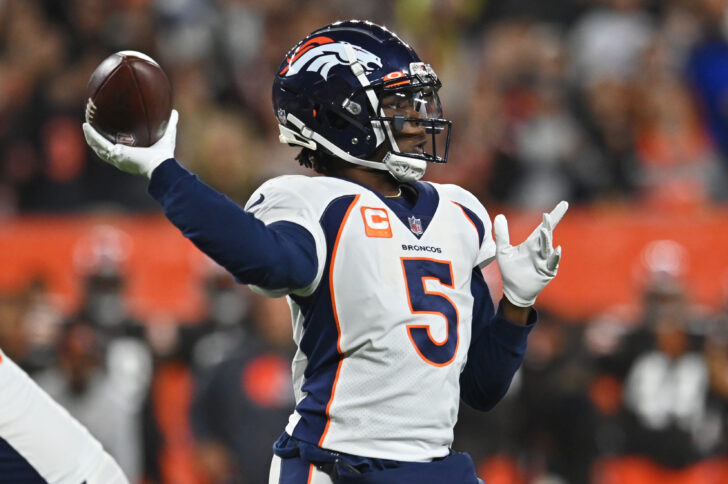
x: 496, y: 350
x: 276, y: 256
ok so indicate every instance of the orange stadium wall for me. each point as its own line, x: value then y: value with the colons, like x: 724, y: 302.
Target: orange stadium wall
x: 601, y: 267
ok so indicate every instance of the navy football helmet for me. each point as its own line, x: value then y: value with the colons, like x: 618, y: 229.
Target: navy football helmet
x: 348, y: 87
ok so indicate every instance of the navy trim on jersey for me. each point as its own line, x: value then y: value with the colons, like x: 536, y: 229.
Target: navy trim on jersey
x: 14, y: 468
x: 281, y: 255
x: 476, y: 222
x: 424, y: 208
x: 427, y: 201
x: 497, y: 348
x: 320, y: 336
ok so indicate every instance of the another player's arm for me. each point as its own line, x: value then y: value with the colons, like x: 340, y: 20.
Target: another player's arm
x: 41, y: 442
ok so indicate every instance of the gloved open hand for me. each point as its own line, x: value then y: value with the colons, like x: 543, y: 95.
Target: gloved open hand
x: 134, y: 159
x: 527, y: 268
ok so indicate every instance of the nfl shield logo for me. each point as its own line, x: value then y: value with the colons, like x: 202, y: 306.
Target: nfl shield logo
x: 415, y: 225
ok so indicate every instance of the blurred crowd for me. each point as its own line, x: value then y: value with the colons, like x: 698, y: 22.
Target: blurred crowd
x: 634, y: 395
x: 609, y: 103
x: 196, y: 402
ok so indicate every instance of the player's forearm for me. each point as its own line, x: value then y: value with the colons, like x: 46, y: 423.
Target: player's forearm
x: 281, y: 255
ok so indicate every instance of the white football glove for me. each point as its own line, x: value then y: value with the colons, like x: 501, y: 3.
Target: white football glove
x: 134, y: 159
x: 527, y: 268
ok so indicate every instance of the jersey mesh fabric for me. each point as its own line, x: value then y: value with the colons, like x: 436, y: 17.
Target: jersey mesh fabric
x: 389, y: 400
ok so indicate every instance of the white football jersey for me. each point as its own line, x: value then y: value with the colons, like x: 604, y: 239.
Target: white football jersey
x: 383, y: 331
x: 46, y: 437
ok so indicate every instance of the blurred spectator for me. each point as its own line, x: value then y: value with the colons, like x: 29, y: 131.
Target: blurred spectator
x: 666, y: 393
x: 671, y: 420
x: 716, y: 351
x: 29, y: 323
x: 82, y: 385
x: 608, y: 108
x: 99, y: 258
x: 42, y: 319
x: 243, y: 403
x: 13, y: 334
x: 169, y: 443
x: 607, y: 42
x: 558, y: 426
x: 181, y: 353
x: 223, y: 327
x: 125, y: 365
x: 678, y: 163
x: 542, y: 137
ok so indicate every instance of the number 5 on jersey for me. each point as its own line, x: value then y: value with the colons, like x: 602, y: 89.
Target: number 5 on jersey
x: 417, y: 271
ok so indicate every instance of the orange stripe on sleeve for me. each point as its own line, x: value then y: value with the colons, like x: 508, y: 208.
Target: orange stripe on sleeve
x: 477, y: 234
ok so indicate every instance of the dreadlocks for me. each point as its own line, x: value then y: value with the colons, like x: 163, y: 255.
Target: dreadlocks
x: 321, y: 162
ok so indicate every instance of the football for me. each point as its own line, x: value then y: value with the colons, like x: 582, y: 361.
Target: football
x: 129, y: 99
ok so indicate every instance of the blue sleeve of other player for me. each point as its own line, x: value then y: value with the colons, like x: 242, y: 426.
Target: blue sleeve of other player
x: 496, y: 350
x: 276, y: 256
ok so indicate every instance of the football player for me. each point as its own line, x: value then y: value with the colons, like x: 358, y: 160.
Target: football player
x: 392, y: 317
x: 40, y: 442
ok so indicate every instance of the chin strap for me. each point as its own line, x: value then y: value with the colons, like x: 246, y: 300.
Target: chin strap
x: 312, y: 139
x: 403, y: 168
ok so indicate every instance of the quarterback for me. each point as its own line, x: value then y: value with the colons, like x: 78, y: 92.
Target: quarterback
x: 392, y: 317
x: 40, y: 442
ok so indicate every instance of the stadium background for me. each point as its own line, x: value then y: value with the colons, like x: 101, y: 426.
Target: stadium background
x: 618, y: 106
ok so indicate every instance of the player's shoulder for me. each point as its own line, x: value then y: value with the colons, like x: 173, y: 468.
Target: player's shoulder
x: 312, y: 191
x: 459, y: 195
x: 295, y: 182
x: 287, y: 183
